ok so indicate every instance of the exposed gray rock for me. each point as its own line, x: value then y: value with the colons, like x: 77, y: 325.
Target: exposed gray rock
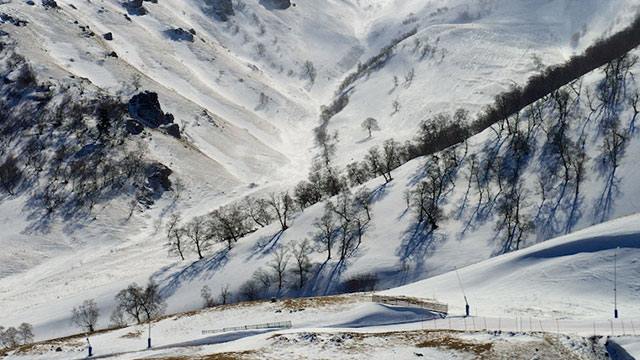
x: 133, y: 127
x: 145, y: 108
x: 157, y: 183
x: 276, y: 4
x: 49, y: 4
x: 8, y: 19
x: 134, y: 7
x: 220, y: 9
x: 108, y: 36
x: 179, y: 34
x: 172, y: 129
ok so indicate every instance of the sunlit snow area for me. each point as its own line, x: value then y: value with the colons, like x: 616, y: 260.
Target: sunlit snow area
x: 234, y: 159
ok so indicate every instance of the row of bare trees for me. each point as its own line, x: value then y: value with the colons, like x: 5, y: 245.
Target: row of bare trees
x: 288, y: 268
x: 228, y: 224
x: 134, y: 303
x: 13, y: 337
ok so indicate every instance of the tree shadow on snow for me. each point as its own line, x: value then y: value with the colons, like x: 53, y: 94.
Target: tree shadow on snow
x: 415, y: 245
x: 265, y: 245
x: 170, y: 278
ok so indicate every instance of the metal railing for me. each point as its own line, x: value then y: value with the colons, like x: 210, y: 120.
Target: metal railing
x: 271, y: 325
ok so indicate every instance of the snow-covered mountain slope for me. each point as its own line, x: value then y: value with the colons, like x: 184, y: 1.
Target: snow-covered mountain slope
x: 395, y: 250
x: 564, y: 285
x: 247, y: 94
x: 570, y: 277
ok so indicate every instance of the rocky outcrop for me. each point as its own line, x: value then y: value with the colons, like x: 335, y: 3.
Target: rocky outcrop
x: 145, y: 109
x: 49, y: 4
x: 276, y: 4
x: 220, y: 9
x: 179, y: 34
x: 134, y: 7
x: 172, y: 129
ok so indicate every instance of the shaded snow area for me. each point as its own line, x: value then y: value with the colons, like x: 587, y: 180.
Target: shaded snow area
x: 238, y: 101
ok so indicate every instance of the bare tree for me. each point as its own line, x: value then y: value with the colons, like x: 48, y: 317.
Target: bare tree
x: 229, y: 223
x: 279, y: 263
x: 10, y: 338
x: 390, y: 157
x: 86, y: 315
x: 25, y: 333
x: 357, y: 173
x: 258, y: 211
x: 207, y: 298
x: 426, y: 198
x: 370, y: 124
x: 198, y: 233
x: 307, y: 193
x: 301, y: 253
x: 225, y: 294
x: 141, y: 304
x: 282, y: 205
x: 326, y: 229
x: 362, y: 199
x: 175, y: 235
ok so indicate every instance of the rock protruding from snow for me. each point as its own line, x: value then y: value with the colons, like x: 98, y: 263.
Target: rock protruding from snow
x: 49, y: 4
x: 134, y: 7
x: 220, y: 9
x: 172, y: 129
x: 179, y: 34
x: 276, y: 4
x: 145, y: 108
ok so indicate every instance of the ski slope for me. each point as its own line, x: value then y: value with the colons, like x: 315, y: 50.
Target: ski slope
x: 512, y: 293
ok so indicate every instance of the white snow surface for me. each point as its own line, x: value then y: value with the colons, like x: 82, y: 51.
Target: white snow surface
x: 504, y: 292
x: 482, y: 48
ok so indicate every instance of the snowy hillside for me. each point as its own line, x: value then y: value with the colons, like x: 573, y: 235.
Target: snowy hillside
x: 254, y: 96
x: 519, y: 293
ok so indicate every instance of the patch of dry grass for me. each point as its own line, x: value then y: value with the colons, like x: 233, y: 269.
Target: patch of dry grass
x: 453, y: 343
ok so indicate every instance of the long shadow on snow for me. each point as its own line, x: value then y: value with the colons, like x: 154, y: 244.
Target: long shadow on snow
x: 590, y: 245
x: 170, y: 279
x: 391, y: 315
x: 217, y: 339
x: 265, y: 245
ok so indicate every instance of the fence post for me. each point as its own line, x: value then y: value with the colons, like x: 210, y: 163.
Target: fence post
x: 611, y: 322
x: 633, y: 328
